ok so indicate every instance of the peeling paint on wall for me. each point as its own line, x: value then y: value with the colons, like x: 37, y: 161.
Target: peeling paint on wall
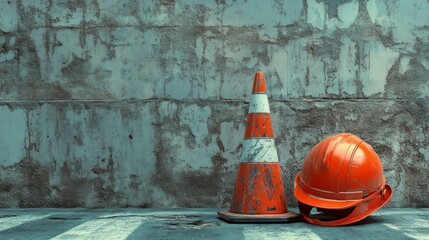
x: 144, y: 103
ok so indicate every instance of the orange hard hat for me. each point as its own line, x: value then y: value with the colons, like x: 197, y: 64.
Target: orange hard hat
x: 342, y: 177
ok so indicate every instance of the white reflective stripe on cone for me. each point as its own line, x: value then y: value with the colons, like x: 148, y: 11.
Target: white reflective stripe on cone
x: 259, y: 150
x: 259, y: 103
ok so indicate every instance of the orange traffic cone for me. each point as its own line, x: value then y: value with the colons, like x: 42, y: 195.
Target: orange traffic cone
x: 258, y: 192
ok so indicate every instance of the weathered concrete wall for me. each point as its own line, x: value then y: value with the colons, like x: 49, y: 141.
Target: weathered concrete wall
x: 143, y: 103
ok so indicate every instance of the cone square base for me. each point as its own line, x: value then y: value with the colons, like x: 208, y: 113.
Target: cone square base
x: 289, y: 217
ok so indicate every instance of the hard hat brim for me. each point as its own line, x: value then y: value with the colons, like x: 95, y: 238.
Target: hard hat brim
x: 359, y: 211
x: 315, y: 201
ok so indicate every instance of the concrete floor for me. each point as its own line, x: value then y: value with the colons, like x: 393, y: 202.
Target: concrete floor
x: 131, y: 223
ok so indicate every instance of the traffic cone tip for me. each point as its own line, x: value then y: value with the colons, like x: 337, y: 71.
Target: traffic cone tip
x: 259, y: 83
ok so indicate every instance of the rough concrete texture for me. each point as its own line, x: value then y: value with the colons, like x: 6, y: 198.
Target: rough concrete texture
x: 144, y: 103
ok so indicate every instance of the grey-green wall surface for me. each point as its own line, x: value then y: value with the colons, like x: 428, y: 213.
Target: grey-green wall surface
x: 144, y: 103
